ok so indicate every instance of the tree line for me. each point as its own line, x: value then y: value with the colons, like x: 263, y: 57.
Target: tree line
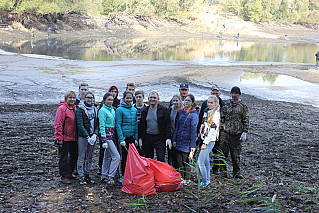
x: 286, y: 11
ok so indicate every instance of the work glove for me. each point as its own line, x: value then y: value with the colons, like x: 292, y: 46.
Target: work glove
x: 140, y: 143
x: 136, y: 143
x: 105, y: 145
x: 92, y: 139
x: 191, y: 155
x: 169, y: 143
x: 243, y: 136
x: 123, y: 143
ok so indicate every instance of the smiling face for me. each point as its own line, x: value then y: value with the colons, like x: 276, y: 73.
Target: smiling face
x: 153, y: 99
x: 176, y: 102
x: 109, y: 101
x: 128, y: 99
x: 211, y: 103
x: 188, y: 102
x: 70, y: 100
x: 89, y: 99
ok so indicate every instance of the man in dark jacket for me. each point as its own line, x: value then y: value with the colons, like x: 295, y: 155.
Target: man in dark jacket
x: 154, y: 128
x: 317, y: 57
x: 233, y: 130
x: 215, y: 91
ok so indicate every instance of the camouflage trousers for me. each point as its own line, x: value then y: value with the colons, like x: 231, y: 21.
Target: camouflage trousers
x: 230, y: 144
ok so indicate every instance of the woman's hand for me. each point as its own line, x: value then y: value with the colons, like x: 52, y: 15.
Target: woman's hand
x: 174, y: 144
x: 203, y: 147
x: 193, y: 150
x: 59, y: 142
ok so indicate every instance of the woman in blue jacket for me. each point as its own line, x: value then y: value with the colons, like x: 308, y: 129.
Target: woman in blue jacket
x: 184, y: 138
x: 126, y: 125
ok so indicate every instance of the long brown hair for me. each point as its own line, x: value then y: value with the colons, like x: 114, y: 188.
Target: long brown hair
x: 180, y: 103
x: 192, y: 97
x: 212, y: 111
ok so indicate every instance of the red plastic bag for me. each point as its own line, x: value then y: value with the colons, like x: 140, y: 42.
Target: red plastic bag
x: 138, y: 177
x: 166, y: 177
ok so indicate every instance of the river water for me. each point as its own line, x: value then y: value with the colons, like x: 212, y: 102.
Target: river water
x: 44, y: 68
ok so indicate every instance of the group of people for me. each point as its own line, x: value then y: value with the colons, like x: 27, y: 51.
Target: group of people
x: 153, y: 128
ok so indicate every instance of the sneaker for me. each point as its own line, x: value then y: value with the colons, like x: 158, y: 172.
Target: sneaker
x: 121, y: 179
x: 239, y: 176
x: 110, y: 181
x: 88, y: 179
x: 203, y: 185
x: 65, y: 180
x: 82, y: 181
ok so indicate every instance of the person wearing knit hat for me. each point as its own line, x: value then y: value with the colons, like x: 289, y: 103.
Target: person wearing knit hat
x: 233, y: 131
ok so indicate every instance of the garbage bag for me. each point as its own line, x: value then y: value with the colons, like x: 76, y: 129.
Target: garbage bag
x: 166, y: 177
x: 138, y: 176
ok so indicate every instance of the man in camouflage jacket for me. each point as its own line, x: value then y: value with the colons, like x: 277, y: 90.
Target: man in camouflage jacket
x: 234, y: 128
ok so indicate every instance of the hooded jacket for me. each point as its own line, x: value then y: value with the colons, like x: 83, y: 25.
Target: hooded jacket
x: 83, y: 121
x: 185, y: 131
x: 116, y: 101
x: 65, y: 124
x: 126, y: 121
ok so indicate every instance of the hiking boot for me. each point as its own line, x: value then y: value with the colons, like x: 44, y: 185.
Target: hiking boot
x: 65, y: 180
x: 82, y: 181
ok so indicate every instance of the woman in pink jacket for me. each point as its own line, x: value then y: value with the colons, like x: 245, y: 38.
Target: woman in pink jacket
x: 65, y: 135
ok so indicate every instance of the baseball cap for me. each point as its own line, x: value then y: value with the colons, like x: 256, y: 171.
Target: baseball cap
x: 235, y: 90
x: 215, y: 88
x: 183, y: 86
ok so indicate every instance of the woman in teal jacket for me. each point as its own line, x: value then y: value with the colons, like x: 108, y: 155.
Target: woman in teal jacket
x: 107, y: 130
x: 126, y: 124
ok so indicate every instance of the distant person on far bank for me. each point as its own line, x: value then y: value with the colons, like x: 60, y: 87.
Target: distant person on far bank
x: 233, y: 131
x: 83, y: 88
x: 48, y: 31
x: 317, y: 58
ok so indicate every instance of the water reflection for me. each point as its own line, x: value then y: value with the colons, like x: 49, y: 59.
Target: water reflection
x: 259, y: 78
x: 173, y: 49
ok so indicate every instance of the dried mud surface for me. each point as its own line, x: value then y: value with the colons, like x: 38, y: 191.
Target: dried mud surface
x: 282, y: 151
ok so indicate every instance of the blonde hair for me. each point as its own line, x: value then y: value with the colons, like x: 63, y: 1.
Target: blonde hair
x: 212, y: 111
x: 69, y: 93
x: 180, y: 103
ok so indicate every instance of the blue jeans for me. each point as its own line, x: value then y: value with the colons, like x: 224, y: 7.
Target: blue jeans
x: 204, y: 163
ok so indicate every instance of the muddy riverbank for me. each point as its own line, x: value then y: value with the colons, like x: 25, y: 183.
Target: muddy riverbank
x: 281, y: 152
